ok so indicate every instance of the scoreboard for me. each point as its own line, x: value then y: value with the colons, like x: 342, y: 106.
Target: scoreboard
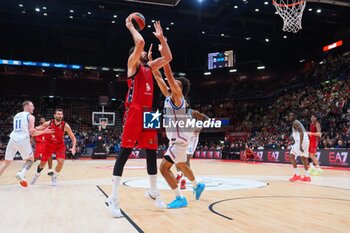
x: 221, y: 60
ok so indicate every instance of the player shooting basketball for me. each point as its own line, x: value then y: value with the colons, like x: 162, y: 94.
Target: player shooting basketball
x: 139, y: 98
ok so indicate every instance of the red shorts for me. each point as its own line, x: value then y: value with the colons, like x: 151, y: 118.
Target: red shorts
x: 58, y: 149
x: 313, y: 147
x: 133, y: 133
x: 39, y: 150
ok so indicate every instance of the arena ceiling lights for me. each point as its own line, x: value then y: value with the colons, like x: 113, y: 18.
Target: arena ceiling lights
x: 157, y: 2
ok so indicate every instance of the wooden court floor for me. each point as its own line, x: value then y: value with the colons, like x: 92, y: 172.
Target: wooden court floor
x: 230, y: 204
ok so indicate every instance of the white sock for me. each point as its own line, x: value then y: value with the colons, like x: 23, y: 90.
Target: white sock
x: 50, y: 170
x: 179, y: 173
x: 194, y: 183
x: 307, y: 173
x: 55, y: 173
x: 311, y: 165
x: 153, y: 182
x: 177, y: 192
x: 115, y: 186
x: 296, y: 171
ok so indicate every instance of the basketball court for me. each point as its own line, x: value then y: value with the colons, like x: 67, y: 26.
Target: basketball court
x: 241, y: 197
x: 250, y: 64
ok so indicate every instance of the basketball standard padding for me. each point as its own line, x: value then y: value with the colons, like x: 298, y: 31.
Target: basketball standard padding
x: 157, y: 2
x: 138, y: 20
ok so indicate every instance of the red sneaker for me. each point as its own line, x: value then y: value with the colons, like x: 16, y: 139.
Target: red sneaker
x: 178, y: 177
x: 183, y: 184
x: 294, y: 178
x: 306, y: 179
x: 23, y: 183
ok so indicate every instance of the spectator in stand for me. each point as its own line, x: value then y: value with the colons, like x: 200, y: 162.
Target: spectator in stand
x: 340, y: 145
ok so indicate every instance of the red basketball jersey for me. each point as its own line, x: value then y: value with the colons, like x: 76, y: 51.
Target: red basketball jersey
x: 313, y: 129
x: 41, y: 138
x: 58, y: 136
x: 140, y: 88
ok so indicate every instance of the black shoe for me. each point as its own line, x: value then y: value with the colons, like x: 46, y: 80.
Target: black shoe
x: 50, y: 174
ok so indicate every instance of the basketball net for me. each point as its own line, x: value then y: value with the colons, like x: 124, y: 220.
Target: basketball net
x: 103, y: 125
x: 291, y: 12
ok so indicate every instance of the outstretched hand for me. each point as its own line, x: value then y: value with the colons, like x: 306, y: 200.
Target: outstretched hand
x: 158, y: 30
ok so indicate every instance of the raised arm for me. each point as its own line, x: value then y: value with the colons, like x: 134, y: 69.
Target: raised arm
x: 70, y: 133
x: 166, y: 56
x: 176, y: 92
x: 139, y: 46
x: 158, y: 76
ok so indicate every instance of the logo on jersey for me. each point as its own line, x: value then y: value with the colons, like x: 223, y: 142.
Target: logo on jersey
x: 151, y: 120
x: 148, y: 87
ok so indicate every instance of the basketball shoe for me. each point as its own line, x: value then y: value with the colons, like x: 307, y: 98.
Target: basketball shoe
x: 198, y: 190
x: 179, y: 202
x: 294, y: 178
x: 22, y: 179
x: 113, y: 207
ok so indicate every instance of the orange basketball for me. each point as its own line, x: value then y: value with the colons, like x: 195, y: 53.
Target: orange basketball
x: 138, y: 20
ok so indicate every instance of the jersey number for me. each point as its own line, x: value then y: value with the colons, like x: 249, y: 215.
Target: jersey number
x: 18, y: 124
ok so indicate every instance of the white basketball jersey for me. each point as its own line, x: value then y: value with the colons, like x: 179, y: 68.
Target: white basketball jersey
x: 172, y: 116
x: 20, y: 126
x: 195, y: 130
x: 296, y: 134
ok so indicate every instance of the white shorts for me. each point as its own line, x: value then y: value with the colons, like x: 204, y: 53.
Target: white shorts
x: 192, y: 145
x: 296, y: 149
x: 23, y: 147
x: 177, y: 152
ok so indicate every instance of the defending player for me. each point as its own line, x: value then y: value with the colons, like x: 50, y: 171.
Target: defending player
x: 55, y: 145
x: 40, y: 144
x: 175, y: 110
x: 299, y: 148
x: 23, y: 128
x: 139, y: 98
x: 315, y: 135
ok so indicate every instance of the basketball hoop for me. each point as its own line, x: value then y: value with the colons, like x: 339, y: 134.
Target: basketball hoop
x: 291, y: 12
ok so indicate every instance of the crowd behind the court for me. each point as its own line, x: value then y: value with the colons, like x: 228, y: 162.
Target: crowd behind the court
x: 264, y: 121
x: 268, y: 127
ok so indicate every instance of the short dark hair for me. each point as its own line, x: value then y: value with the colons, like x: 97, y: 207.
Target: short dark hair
x: 58, y: 110
x: 25, y: 103
x: 186, y: 85
x: 131, y: 50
